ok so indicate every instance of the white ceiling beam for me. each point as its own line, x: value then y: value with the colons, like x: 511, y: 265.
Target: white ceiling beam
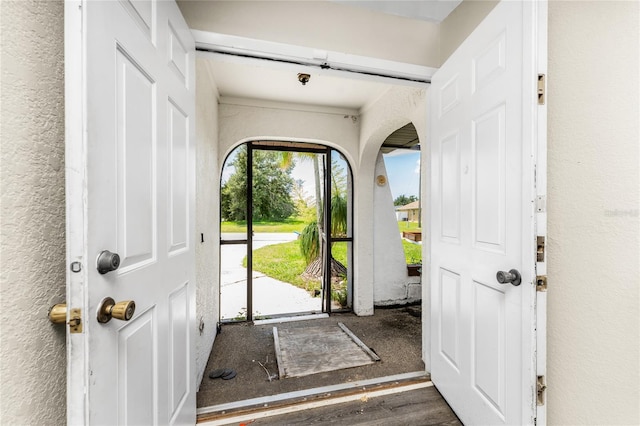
x: 364, y: 66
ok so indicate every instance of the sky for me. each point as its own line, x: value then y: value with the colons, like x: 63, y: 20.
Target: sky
x: 403, y: 172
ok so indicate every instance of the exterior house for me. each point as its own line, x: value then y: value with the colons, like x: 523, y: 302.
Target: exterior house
x: 409, y: 211
x: 593, y: 337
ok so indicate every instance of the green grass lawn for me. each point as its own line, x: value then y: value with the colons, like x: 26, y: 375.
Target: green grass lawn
x: 284, y: 261
x: 412, y: 252
x: 288, y: 225
x: 405, y: 226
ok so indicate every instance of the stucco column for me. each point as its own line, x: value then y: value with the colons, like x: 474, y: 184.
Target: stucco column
x: 363, y: 241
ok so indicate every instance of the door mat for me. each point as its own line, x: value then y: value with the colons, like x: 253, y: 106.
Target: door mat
x: 310, y: 350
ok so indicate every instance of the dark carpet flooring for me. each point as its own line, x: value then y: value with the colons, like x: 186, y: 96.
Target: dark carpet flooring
x: 393, y: 333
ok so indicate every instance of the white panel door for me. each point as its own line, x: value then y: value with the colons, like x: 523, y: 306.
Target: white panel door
x: 482, y: 157
x: 130, y: 190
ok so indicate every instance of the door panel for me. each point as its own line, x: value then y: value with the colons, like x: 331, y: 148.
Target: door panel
x: 483, y: 332
x: 179, y: 353
x: 488, y: 144
x: 449, y: 309
x: 136, y: 198
x: 489, y: 344
x: 450, y: 188
x: 136, y: 180
x: 137, y: 364
x: 178, y: 133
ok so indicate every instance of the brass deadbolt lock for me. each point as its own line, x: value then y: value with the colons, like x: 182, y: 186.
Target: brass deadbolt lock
x: 58, y: 313
x: 108, y: 309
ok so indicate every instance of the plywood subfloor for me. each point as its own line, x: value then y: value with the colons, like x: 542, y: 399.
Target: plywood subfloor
x: 318, y: 349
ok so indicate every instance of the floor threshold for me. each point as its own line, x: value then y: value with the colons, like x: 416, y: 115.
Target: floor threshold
x: 278, y: 320
x: 290, y: 402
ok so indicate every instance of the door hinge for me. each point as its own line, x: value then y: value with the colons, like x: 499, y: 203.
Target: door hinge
x: 542, y: 390
x: 75, y: 321
x: 541, y: 249
x: 541, y: 283
x: 542, y: 98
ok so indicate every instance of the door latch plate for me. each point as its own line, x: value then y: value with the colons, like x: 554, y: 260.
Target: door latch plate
x: 541, y: 89
x: 541, y: 390
x: 541, y: 283
x: 75, y: 321
x: 541, y: 244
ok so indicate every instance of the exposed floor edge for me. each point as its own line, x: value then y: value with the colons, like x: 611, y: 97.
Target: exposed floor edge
x: 265, y: 400
x: 374, y: 356
x: 245, y: 417
x: 290, y: 319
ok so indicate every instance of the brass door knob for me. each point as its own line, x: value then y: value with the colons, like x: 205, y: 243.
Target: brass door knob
x: 108, y: 309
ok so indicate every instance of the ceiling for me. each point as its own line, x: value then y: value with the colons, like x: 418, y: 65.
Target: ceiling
x: 426, y: 10
x: 266, y: 80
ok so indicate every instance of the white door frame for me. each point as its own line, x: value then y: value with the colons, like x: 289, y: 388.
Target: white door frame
x: 75, y: 226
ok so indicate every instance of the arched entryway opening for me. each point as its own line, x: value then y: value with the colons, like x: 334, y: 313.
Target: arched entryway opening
x: 286, y: 231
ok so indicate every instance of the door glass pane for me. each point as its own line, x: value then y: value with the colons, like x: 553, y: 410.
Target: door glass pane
x: 283, y: 211
x: 233, y: 282
x: 233, y: 196
x: 341, y: 279
x: 233, y: 229
x: 341, y: 205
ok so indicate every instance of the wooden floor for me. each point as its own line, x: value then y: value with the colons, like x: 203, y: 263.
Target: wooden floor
x: 417, y: 407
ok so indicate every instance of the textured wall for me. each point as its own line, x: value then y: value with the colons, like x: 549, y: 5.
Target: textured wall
x: 286, y: 122
x: 390, y: 285
x: 594, y: 219
x: 207, y: 215
x: 399, y: 106
x: 32, y: 215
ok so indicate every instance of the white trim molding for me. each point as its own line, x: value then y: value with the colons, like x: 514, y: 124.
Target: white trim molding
x: 254, y: 49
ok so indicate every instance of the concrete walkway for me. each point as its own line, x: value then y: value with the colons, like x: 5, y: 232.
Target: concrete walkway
x: 270, y: 296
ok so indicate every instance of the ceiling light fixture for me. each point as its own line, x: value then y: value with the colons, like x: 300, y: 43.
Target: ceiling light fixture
x: 303, y: 78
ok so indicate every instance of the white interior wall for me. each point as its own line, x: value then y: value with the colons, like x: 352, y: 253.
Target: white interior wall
x: 207, y: 215
x: 32, y: 213
x: 241, y: 122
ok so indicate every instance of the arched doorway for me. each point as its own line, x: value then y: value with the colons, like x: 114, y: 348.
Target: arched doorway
x: 275, y: 260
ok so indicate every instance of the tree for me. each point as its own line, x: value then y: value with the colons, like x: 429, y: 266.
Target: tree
x: 403, y: 200
x: 272, y: 187
x: 311, y: 245
x: 305, y: 205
